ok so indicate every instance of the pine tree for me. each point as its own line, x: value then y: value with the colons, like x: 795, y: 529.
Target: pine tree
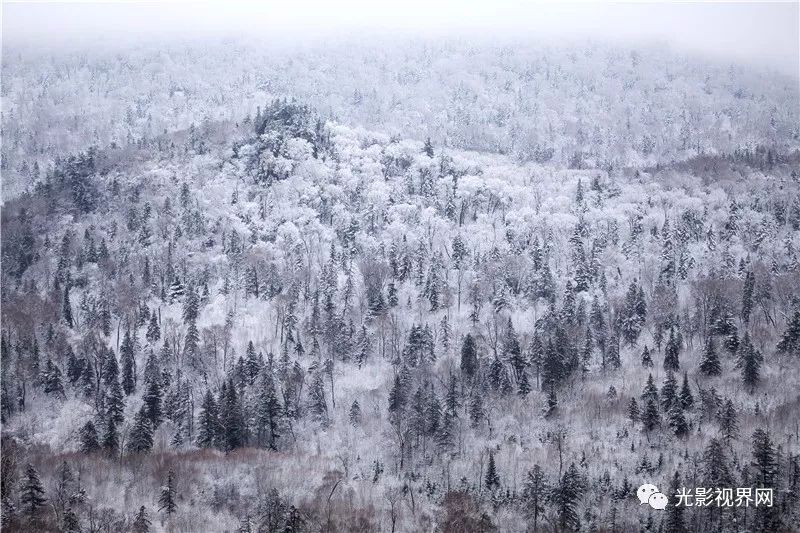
x: 268, y: 412
x: 492, y: 478
x: 52, y: 380
x: 141, y: 524
x: 651, y: 418
x: 685, y: 396
x: 677, y: 420
x: 71, y: 523
x: 715, y: 466
x: 111, y: 438
x: 355, y: 414
x: 669, y: 392
x: 115, y: 402
x: 565, y: 497
x: 318, y: 406
x: 728, y: 421
x: 672, y: 351
x: 208, y: 434
x: 710, y: 364
x: 469, y: 357
x: 633, y: 410
x: 153, y: 330
x: 749, y: 361
x: 141, y: 437
x: 32, y: 492
x: 647, y: 360
x: 152, y: 402
x: 89, y: 438
x: 674, y: 520
x: 66, y: 308
x: 790, y: 341
x: 231, y: 418
x: 535, y: 494
x: 128, y: 362
x: 167, y: 499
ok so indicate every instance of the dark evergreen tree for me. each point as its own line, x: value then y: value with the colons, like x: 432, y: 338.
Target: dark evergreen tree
x: 231, y: 418
x: 685, y: 397
x: 89, y: 438
x: 790, y: 341
x: 53, y: 383
x: 32, y: 493
x: 141, y: 524
x: 128, y: 362
x: 633, y: 410
x: 710, y: 364
x: 647, y: 360
x: 535, y: 495
x: 152, y: 401
x: 209, y: 432
x: 153, y: 330
x: 749, y: 361
x: 355, y: 414
x: 66, y: 308
x: 674, y: 522
x: 167, y: 501
x: 565, y: 497
x: 492, y: 477
x: 728, y: 421
x: 469, y: 357
x: 115, y: 402
x: 141, y: 436
x: 672, y: 352
x: 111, y: 438
x: 269, y: 412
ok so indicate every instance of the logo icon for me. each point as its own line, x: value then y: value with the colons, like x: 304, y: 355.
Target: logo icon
x: 650, y: 494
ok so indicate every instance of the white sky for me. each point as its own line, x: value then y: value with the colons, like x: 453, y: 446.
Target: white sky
x: 757, y: 32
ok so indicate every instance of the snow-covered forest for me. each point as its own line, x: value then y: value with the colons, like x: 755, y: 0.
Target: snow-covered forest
x: 433, y: 286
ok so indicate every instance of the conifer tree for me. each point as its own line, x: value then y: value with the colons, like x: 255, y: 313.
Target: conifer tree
x: 153, y: 330
x: 32, y: 495
x: 355, y: 414
x: 749, y: 361
x: 674, y: 520
x: 469, y: 357
x: 128, y: 363
x: 728, y: 421
x: 790, y: 340
x: 53, y: 383
x: 677, y: 420
x: 111, y: 438
x: 647, y: 360
x: 268, y: 413
x: 710, y: 364
x: 633, y: 410
x: 141, y: 436
x: 669, y: 391
x: 167, y: 500
x: 535, y: 494
x: 152, y: 401
x: 565, y: 497
x: 672, y: 351
x: 686, y: 398
x: 141, y: 524
x: 231, y: 418
x: 89, y: 438
x: 716, y: 472
x: 208, y: 434
x: 492, y: 478
x: 115, y: 402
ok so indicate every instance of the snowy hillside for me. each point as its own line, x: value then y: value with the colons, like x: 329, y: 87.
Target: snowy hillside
x: 288, y: 323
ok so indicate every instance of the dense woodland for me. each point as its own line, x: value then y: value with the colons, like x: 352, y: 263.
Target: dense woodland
x: 291, y: 319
